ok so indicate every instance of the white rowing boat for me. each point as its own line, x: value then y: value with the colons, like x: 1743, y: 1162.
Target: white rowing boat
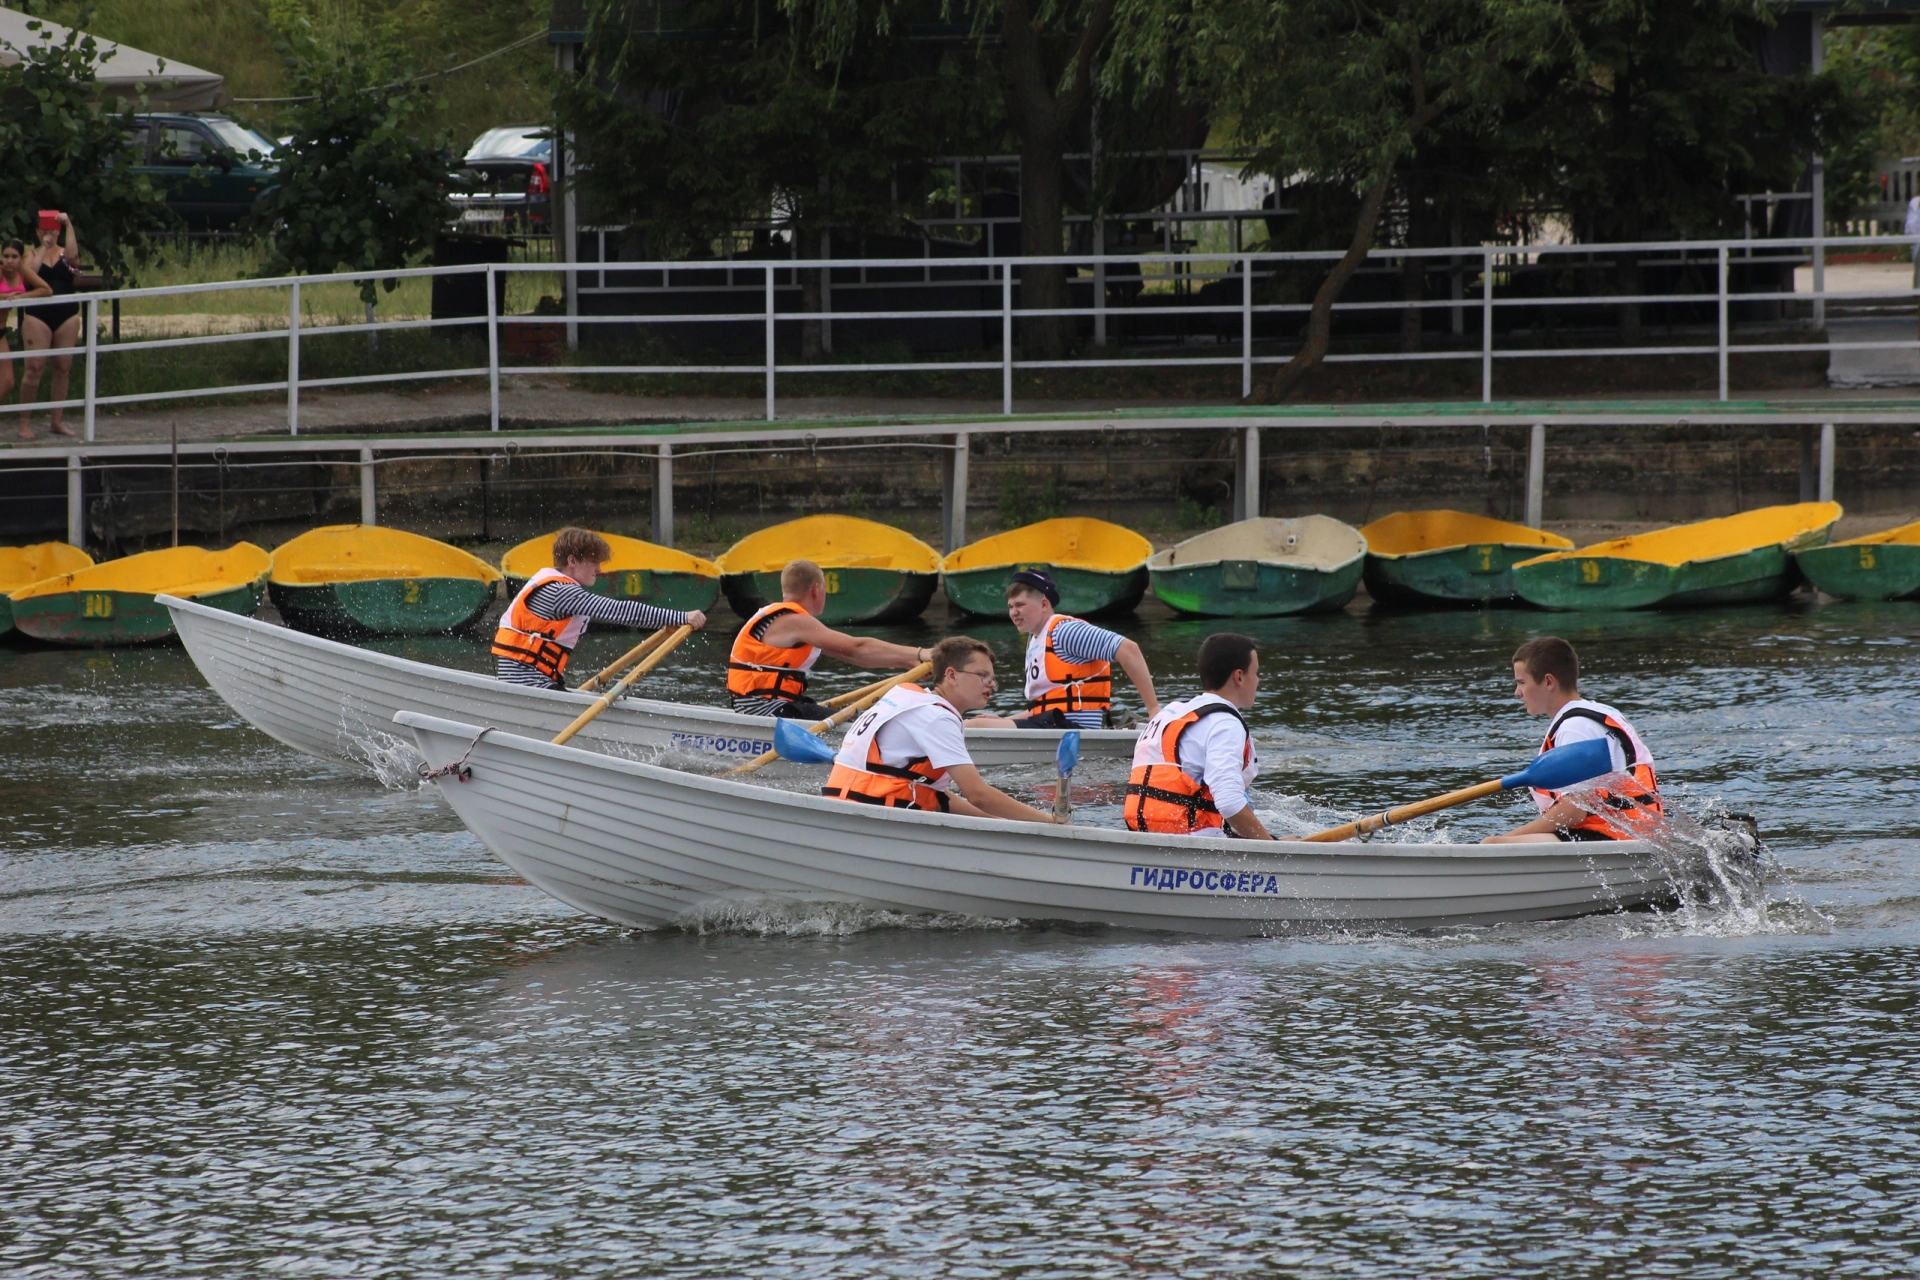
x: 338, y: 701
x: 640, y: 844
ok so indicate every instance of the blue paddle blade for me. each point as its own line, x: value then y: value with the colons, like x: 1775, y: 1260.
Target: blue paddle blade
x: 1564, y: 767
x: 794, y: 743
x: 1068, y: 756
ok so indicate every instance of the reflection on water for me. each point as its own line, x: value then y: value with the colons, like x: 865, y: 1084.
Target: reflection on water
x: 261, y: 1013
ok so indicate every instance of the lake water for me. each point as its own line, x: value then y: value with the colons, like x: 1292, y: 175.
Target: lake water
x: 262, y: 1015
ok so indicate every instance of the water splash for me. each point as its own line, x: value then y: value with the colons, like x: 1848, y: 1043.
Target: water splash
x: 394, y: 761
x: 784, y: 918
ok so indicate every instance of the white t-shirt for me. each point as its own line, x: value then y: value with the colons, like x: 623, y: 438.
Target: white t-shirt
x: 1571, y: 728
x: 933, y: 731
x: 1216, y: 751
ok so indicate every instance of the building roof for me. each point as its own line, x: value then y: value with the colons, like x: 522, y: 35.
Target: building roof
x: 121, y: 70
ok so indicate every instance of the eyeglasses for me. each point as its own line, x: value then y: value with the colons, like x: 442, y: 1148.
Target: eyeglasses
x: 985, y: 677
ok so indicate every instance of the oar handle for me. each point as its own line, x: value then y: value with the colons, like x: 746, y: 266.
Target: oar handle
x: 626, y: 659
x: 1405, y: 813
x: 606, y: 699
x: 854, y: 695
x: 841, y: 716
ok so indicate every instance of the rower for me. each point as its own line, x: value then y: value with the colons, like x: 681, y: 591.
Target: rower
x: 909, y: 750
x: 546, y: 619
x: 1546, y: 679
x: 767, y: 670
x: 1194, y: 760
x: 1069, y: 662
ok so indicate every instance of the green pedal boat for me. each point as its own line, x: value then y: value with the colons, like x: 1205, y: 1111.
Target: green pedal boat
x: 112, y: 603
x: 1100, y: 567
x: 1880, y: 566
x: 643, y: 571
x: 1733, y: 560
x: 21, y: 567
x: 1262, y: 568
x: 875, y: 572
x: 353, y: 580
x: 1448, y: 557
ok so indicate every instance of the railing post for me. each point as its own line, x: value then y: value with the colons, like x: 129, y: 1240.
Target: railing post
x: 770, y: 354
x: 493, y: 354
x: 93, y: 357
x: 1100, y: 283
x: 1826, y: 462
x: 1486, y: 326
x: 369, y: 509
x: 293, y: 359
x: 1246, y: 328
x: 954, y: 517
x: 1818, y: 184
x: 76, y: 503
x: 1006, y: 338
x: 663, y: 494
x: 1246, y: 475
x: 1723, y: 322
x: 1536, y: 475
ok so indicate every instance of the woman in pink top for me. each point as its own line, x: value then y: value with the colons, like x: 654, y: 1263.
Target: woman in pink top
x: 18, y: 282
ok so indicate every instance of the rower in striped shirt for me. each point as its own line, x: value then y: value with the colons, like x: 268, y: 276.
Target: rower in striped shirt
x: 1069, y: 662
x: 540, y: 628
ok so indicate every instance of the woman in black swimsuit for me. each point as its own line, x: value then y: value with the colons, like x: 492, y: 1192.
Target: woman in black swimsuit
x: 53, y: 324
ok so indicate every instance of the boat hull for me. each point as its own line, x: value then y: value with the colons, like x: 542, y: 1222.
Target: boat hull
x: 853, y: 595
x: 1578, y: 582
x: 382, y: 606
x: 1864, y: 570
x: 103, y: 619
x: 337, y: 702
x: 1474, y: 574
x: 661, y: 587
x: 643, y: 845
x: 1084, y: 593
x: 1255, y: 588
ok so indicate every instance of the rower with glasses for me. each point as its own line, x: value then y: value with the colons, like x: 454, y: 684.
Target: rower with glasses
x: 909, y: 750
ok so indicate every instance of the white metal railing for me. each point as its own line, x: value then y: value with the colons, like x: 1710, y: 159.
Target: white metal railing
x: 758, y: 285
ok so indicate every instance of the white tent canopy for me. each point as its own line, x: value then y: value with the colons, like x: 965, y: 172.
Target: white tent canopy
x: 122, y: 70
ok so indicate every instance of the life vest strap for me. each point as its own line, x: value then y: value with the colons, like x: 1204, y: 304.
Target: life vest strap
x: 909, y: 801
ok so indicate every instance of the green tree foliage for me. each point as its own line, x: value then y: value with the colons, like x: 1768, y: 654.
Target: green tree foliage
x: 1341, y: 92
x: 1877, y: 69
x: 359, y: 191
x: 67, y: 149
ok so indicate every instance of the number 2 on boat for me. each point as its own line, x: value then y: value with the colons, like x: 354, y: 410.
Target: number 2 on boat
x: 412, y: 593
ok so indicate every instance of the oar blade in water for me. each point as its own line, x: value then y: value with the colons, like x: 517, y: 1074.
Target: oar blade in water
x: 796, y: 744
x: 1564, y: 767
x: 1068, y: 756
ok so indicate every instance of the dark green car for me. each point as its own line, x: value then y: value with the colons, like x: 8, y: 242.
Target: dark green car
x: 212, y: 169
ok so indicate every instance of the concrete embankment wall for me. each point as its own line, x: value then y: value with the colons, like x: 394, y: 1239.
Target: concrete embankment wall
x: 1163, y: 483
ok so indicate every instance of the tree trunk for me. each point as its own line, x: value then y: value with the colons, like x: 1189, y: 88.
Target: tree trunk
x: 1631, y: 283
x: 1043, y: 287
x: 1320, y: 319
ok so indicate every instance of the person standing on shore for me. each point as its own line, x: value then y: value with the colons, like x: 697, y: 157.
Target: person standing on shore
x: 56, y: 325
x: 540, y: 629
x: 767, y: 670
x: 17, y: 281
x: 1195, y: 760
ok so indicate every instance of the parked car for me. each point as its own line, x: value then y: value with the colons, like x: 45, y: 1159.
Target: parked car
x: 212, y: 169
x: 505, y: 183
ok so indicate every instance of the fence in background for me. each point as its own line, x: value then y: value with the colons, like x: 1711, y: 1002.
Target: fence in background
x: 1232, y: 310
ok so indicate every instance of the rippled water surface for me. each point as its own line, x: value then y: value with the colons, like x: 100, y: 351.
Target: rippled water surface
x: 262, y: 1015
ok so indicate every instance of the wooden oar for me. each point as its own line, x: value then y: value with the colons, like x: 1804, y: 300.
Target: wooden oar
x: 1551, y: 771
x: 605, y: 700
x: 841, y: 700
x: 626, y: 660
x: 841, y: 716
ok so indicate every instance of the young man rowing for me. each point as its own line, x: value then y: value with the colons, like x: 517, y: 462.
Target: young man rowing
x: 1069, y: 662
x: 767, y: 670
x: 545, y: 621
x: 1546, y: 679
x: 1195, y: 760
x: 909, y: 750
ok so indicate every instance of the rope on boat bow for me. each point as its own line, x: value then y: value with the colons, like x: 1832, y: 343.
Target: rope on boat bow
x: 458, y: 769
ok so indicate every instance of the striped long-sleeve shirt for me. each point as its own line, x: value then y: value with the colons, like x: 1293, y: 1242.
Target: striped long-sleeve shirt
x: 1077, y: 641
x: 558, y: 600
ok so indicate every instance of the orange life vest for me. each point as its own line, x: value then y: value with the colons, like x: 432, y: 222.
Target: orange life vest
x: 758, y: 669
x: 1636, y: 802
x: 1163, y: 797
x: 526, y: 637
x: 1054, y: 684
x: 862, y: 775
